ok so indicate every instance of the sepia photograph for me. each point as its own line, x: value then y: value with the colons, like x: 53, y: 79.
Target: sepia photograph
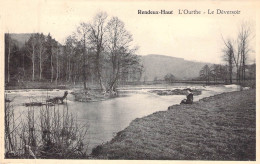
x: 128, y: 80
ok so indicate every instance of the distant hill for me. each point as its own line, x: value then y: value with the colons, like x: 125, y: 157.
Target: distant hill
x: 21, y: 38
x: 160, y: 65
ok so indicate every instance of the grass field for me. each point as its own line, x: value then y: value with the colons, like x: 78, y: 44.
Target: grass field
x: 221, y: 127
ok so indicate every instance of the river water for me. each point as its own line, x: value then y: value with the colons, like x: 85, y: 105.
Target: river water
x: 106, y: 118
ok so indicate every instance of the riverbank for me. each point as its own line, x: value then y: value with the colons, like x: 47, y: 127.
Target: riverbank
x: 220, y: 127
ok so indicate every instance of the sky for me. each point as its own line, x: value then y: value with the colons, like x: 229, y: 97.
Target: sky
x: 189, y: 36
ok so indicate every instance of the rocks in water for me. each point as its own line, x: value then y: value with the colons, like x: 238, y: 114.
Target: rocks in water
x: 175, y: 92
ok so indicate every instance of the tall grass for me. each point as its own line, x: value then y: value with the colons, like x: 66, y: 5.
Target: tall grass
x: 11, y: 129
x: 51, y: 132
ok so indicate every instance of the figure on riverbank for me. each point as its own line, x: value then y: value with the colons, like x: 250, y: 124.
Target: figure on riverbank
x: 189, y: 99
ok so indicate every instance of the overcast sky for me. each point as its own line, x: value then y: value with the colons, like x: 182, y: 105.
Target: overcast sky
x: 192, y: 37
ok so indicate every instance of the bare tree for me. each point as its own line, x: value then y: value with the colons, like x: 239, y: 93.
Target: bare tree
x: 81, y: 35
x: 8, y: 42
x: 57, y: 64
x: 244, y: 38
x: 229, y: 56
x: 52, y: 46
x: 69, y: 51
x: 214, y: 72
x: 238, y: 53
x: 118, y: 43
x: 205, y: 73
x: 96, y: 37
x: 40, y: 38
x: 31, y: 48
x: 127, y: 60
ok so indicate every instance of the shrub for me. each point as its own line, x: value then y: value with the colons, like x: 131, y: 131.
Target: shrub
x: 52, y: 132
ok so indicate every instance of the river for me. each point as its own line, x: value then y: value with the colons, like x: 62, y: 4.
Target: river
x: 106, y: 118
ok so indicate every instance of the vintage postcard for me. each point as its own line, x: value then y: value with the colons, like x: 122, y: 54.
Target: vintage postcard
x: 167, y: 81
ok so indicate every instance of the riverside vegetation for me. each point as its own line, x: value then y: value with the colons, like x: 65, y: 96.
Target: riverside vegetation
x: 50, y: 132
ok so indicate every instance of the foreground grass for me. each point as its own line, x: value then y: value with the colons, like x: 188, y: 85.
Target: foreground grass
x: 220, y: 127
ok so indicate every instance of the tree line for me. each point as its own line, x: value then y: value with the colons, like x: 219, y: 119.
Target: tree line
x: 99, y: 51
x: 214, y: 73
x: 221, y: 73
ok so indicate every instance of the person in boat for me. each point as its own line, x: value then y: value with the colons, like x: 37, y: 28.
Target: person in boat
x: 189, y: 99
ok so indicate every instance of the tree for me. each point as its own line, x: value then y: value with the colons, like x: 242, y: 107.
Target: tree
x: 51, y: 49
x: 57, y: 63
x: 121, y: 55
x: 82, y: 33
x: 218, y: 72
x: 244, y: 38
x: 214, y: 72
x: 228, y: 57
x: 240, y: 54
x: 223, y: 73
x: 13, y: 57
x: 205, y: 73
x: 69, y: 52
x: 169, y: 78
x: 31, y: 48
x: 8, y: 46
x: 96, y: 37
x: 252, y: 71
x: 40, y: 38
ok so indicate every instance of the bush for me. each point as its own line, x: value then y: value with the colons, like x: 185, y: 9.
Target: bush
x: 52, y: 133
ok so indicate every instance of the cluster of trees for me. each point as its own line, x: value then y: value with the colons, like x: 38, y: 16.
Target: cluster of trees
x: 220, y: 73
x: 214, y: 73
x: 29, y: 61
x: 99, y: 51
x: 40, y: 58
x: 236, y: 53
x: 169, y: 78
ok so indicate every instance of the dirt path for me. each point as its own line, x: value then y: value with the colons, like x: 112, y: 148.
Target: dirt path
x: 220, y: 127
